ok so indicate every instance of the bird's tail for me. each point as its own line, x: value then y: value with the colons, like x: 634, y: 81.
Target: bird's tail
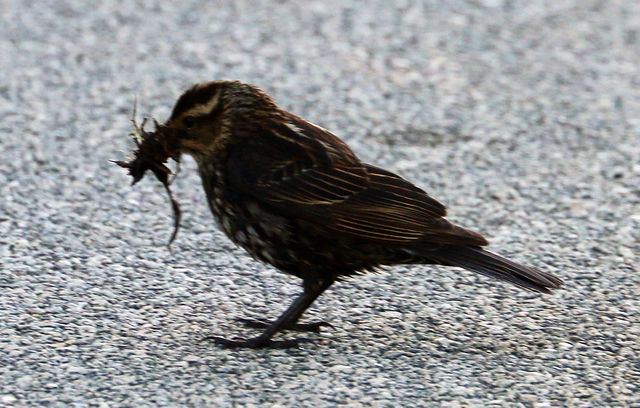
x: 487, y: 263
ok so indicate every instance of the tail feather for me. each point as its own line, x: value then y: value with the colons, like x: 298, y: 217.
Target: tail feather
x: 487, y: 263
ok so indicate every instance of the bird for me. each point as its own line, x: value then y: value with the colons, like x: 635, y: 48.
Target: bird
x: 295, y: 196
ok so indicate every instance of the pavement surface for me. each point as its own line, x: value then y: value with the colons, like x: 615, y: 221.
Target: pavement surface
x: 522, y: 116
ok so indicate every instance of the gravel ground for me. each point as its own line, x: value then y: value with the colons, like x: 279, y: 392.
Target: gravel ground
x: 521, y: 116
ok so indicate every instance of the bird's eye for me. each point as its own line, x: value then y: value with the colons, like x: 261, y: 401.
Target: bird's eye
x: 189, y: 121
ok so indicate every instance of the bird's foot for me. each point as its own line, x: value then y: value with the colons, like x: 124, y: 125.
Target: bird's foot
x: 301, y: 327
x: 256, y: 342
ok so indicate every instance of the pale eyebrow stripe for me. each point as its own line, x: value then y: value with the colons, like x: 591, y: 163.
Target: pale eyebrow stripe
x: 204, y: 108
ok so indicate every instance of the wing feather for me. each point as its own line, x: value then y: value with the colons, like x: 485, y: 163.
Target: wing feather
x: 324, y: 183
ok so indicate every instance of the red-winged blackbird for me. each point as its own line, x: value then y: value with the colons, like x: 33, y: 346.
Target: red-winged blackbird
x: 295, y: 196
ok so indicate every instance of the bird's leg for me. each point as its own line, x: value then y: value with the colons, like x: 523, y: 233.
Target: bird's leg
x: 312, y: 289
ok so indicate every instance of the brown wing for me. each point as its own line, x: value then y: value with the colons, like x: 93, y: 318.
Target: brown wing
x: 305, y: 171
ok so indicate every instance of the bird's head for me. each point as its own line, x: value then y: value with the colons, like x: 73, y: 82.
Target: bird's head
x: 207, y: 116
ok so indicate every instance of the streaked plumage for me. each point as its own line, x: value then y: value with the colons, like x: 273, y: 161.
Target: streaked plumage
x: 294, y: 195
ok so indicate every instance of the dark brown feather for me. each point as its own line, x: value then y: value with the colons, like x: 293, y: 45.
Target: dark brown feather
x: 313, y: 175
x: 493, y: 265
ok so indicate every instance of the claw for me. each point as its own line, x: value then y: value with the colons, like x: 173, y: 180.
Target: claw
x: 256, y: 342
x: 302, y: 327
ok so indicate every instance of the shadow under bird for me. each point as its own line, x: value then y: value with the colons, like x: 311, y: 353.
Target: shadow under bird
x: 295, y: 196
